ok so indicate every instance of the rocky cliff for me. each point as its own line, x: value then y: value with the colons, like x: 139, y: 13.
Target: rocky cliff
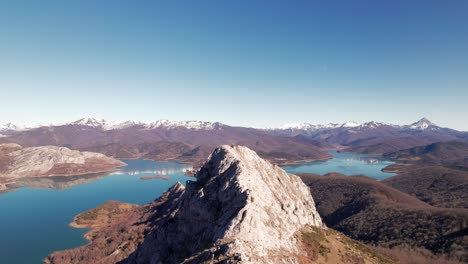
x: 19, y: 162
x: 241, y: 207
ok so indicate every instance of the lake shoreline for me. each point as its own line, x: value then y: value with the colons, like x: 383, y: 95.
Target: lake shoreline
x: 346, y: 163
x: 67, y: 197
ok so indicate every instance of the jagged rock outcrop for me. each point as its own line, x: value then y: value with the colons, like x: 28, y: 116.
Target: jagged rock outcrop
x: 240, y: 209
x: 18, y: 162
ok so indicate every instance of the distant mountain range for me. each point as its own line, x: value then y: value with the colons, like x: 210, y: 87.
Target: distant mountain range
x: 115, y: 125
x: 192, y: 141
x: 374, y: 137
x: 298, y: 128
x: 187, y: 141
x: 422, y: 124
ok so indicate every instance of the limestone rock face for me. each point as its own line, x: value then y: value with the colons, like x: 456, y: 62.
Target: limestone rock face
x: 267, y: 203
x: 241, y: 209
x: 17, y: 162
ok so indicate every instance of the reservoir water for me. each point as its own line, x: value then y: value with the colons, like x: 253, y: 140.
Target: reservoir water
x: 347, y: 164
x: 34, y: 218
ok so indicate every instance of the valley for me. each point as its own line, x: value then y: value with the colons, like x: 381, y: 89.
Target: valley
x: 418, y: 179
x: 377, y: 214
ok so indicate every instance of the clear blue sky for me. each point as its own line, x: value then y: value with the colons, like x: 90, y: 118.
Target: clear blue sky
x: 259, y: 63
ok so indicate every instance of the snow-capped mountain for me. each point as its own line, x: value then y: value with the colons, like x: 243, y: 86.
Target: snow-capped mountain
x: 314, y: 127
x: 193, y: 125
x: 373, y: 124
x: 350, y: 124
x: 90, y: 121
x: 423, y: 124
x: 13, y: 127
x: 299, y: 126
x: 166, y: 124
x: 105, y: 124
x: 165, y: 139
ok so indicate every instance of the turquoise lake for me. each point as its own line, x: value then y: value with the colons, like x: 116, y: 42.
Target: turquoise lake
x: 34, y: 218
x: 347, y: 164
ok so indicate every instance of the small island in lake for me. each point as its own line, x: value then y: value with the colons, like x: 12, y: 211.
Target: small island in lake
x: 145, y: 178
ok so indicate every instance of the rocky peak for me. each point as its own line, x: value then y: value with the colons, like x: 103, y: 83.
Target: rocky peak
x: 176, y: 188
x: 272, y: 203
x: 298, y: 126
x: 242, y: 208
x: 12, y: 127
x: 90, y: 121
x: 422, y: 124
x: 191, y: 125
x: 350, y: 124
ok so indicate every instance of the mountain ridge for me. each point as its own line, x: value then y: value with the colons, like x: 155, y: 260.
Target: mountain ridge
x: 191, y: 141
x: 185, y: 144
x: 104, y: 124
